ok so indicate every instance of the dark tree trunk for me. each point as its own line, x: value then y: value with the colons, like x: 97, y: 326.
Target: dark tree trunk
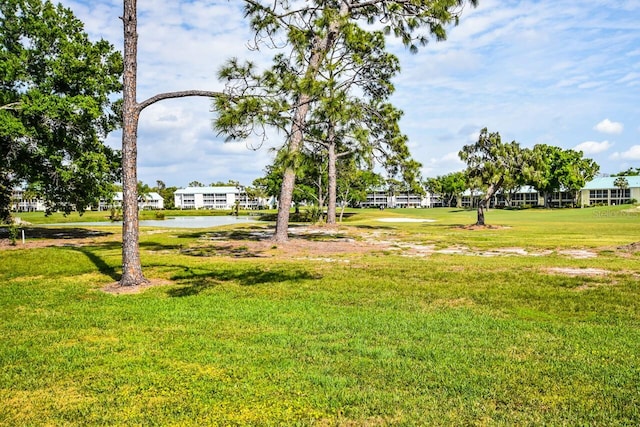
x: 483, y: 203
x: 131, y: 266
x: 6, y: 189
x: 480, y: 220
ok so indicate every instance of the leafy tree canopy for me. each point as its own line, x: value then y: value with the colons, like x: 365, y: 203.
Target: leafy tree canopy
x: 491, y: 164
x: 56, y: 106
x: 558, y: 169
x: 450, y: 187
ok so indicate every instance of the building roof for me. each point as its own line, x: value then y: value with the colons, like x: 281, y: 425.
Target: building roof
x: 208, y: 190
x: 608, y: 182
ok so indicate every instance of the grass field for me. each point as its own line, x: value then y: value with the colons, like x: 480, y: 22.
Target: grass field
x: 535, y: 321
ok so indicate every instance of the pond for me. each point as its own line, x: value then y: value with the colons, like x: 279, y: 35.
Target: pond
x: 172, y: 222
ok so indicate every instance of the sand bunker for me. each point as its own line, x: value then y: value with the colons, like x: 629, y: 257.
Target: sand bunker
x: 406, y: 220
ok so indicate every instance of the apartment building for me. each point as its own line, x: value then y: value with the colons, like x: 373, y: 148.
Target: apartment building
x: 603, y: 191
x: 215, y: 198
x: 20, y: 202
x: 380, y: 198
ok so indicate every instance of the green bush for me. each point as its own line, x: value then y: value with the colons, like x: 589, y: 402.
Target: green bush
x: 13, y: 234
x: 115, y: 214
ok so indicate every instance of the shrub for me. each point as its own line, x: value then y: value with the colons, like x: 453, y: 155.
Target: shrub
x: 13, y: 234
x: 116, y: 214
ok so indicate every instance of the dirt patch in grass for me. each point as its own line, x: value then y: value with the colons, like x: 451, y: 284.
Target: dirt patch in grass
x: 305, y: 242
x: 578, y: 253
x: 473, y: 227
x: 568, y: 271
x: 631, y: 247
x: 41, y: 237
x: 116, y: 289
x: 297, y: 247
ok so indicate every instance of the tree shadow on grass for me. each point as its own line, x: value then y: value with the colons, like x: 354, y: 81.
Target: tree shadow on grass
x: 322, y: 236
x: 254, y: 233
x: 204, y: 250
x: 155, y: 246
x: 198, y: 279
x: 56, y: 233
x: 221, y: 250
x: 101, y: 265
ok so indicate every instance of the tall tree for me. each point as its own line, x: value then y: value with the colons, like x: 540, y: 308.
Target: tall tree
x: 56, y: 107
x: 351, y: 115
x: 131, y: 265
x: 311, y: 30
x: 491, y: 163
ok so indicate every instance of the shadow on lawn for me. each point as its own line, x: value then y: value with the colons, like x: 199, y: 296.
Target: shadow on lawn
x: 221, y: 250
x: 255, y: 233
x: 101, y: 265
x: 198, y: 280
x: 260, y: 234
x: 56, y: 233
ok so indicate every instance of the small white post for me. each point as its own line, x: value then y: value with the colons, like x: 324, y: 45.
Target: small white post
x: 23, y: 237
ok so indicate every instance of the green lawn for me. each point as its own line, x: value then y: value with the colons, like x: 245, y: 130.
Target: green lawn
x: 39, y: 218
x: 384, y: 337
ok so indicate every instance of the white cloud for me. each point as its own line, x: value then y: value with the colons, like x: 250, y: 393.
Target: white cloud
x: 632, y: 153
x: 630, y: 78
x: 593, y: 147
x: 447, y: 163
x: 537, y: 72
x: 607, y: 126
x: 452, y: 158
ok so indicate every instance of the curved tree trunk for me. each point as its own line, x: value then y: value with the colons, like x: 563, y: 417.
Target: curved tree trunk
x: 131, y: 265
x: 480, y: 220
x: 484, y: 202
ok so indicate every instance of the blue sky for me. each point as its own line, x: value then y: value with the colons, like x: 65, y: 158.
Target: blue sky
x: 547, y: 71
